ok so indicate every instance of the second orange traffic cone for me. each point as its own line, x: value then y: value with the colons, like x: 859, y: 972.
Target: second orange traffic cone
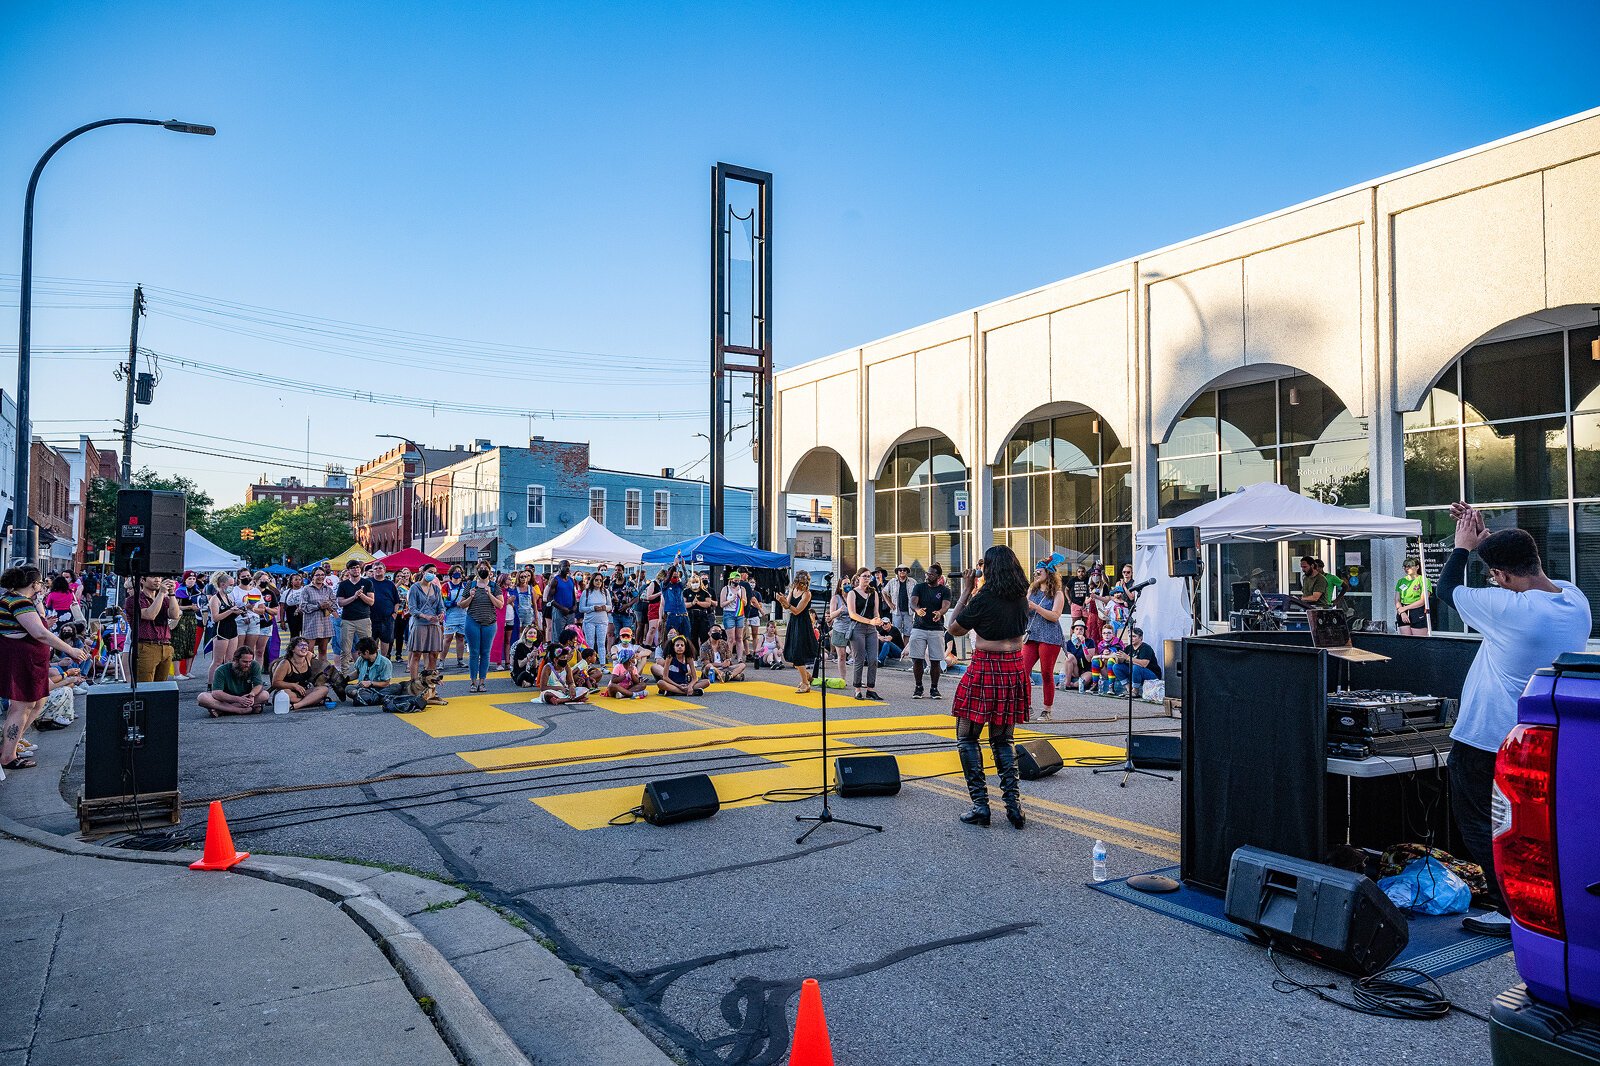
x: 811, y: 1046
x: 219, y: 853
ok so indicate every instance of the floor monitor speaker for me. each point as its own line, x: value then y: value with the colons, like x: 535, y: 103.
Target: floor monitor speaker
x: 679, y: 799
x: 1334, y: 917
x: 130, y: 740
x: 867, y: 775
x: 1036, y: 759
x: 1157, y: 750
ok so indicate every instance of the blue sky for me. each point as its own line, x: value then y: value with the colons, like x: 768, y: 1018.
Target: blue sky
x: 534, y: 176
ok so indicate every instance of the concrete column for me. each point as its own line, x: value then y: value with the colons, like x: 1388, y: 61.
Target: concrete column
x: 865, y: 483
x: 1146, y: 484
x: 1386, y: 436
x: 980, y: 516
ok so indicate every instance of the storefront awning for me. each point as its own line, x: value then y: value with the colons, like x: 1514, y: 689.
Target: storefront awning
x: 465, y: 549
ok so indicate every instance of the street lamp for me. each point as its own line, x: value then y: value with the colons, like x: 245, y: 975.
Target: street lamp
x: 25, y: 315
x: 422, y: 461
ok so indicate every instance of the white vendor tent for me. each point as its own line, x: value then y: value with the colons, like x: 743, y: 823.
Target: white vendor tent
x: 586, y: 542
x: 200, y: 555
x: 1261, y: 513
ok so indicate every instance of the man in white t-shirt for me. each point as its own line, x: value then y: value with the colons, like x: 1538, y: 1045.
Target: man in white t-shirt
x: 1526, y: 622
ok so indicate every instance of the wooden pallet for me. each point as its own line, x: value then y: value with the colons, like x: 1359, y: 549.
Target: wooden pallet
x: 119, y: 814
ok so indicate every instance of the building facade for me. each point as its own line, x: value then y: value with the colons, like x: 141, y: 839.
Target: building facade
x: 50, y: 506
x: 291, y: 492
x: 83, y: 466
x: 1419, y: 338
x: 504, y: 499
x: 384, y: 492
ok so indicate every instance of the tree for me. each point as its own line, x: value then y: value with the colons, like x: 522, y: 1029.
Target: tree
x: 307, y: 533
x: 226, y: 529
x: 102, y: 517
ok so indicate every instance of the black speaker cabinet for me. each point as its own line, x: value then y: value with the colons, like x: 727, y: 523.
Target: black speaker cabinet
x: 150, y: 527
x: 679, y: 799
x: 867, y: 775
x: 1183, y: 551
x: 130, y: 740
x: 1240, y: 593
x: 1334, y: 917
x: 1036, y: 759
x: 1156, y: 751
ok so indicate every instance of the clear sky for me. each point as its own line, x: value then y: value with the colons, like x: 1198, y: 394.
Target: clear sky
x: 533, y: 178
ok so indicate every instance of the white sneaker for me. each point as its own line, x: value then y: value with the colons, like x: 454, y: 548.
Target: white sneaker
x: 280, y: 703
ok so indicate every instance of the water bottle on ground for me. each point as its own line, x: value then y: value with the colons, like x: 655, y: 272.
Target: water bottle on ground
x: 1099, y: 854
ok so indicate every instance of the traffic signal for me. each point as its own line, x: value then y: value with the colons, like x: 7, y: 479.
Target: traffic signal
x: 247, y: 534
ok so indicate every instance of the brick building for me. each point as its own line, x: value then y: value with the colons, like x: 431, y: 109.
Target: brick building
x: 291, y: 492
x: 383, y: 491
x: 50, y: 505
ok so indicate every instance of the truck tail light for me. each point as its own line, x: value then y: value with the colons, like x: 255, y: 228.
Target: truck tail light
x: 1524, y: 814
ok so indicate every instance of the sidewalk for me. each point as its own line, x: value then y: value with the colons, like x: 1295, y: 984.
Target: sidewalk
x: 122, y: 962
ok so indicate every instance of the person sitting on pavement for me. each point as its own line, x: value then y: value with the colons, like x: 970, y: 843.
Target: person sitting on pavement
x: 1145, y: 665
x: 237, y: 687
x: 299, y: 679
x: 769, y: 650
x: 1075, y: 655
x: 891, y: 641
x: 718, y: 658
x: 557, y: 681
x: 59, y: 712
x: 624, y: 640
x: 626, y: 680
x: 524, y: 657
x: 586, y: 669
x: 676, y: 675
x: 373, y: 669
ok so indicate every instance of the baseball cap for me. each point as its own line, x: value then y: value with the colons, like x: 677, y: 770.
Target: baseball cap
x: 625, y: 631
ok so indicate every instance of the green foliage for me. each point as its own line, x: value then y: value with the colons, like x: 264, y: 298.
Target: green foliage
x: 226, y: 527
x: 305, y: 534
x: 102, y: 517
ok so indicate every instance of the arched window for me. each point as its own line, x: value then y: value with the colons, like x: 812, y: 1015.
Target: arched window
x: 914, y: 506
x: 1065, y: 484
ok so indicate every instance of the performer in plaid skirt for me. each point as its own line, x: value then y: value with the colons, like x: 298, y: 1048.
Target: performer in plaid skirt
x: 995, y: 690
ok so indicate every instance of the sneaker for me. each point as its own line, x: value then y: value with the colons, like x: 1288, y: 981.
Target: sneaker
x: 933, y: 693
x: 1489, y: 923
x: 640, y: 695
x: 916, y: 693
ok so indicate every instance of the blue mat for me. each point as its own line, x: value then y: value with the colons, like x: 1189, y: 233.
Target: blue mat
x: 1438, y: 943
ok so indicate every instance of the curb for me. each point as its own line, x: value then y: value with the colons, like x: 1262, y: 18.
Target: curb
x: 473, y: 1034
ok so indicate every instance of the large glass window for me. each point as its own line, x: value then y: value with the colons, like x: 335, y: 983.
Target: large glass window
x: 845, y: 505
x: 914, y: 506
x: 1511, y: 428
x: 1065, y: 485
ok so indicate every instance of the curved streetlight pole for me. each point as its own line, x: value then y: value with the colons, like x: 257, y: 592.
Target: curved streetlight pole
x: 19, y: 511
x: 422, y: 461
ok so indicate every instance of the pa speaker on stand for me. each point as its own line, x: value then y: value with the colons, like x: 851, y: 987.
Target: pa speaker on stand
x: 1183, y: 551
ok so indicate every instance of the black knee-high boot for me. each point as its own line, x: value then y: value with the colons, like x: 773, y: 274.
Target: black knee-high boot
x: 1005, y: 760
x: 977, y: 786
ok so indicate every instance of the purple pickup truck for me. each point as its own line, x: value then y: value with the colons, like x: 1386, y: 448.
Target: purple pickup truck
x: 1547, y: 853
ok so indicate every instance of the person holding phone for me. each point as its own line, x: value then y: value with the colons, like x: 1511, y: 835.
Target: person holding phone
x: 158, y: 608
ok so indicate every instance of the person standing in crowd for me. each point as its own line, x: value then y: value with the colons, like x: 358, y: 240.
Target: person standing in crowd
x: 384, y: 598
x: 1527, y: 621
x: 247, y: 598
x: 402, y: 612
x: 483, y: 603
x: 862, y: 605
x: 1127, y: 583
x: 899, y: 589
x: 650, y: 603
x: 995, y: 690
x: 595, y: 606
x: 520, y: 596
x: 186, y: 631
x: 355, y: 611
x: 237, y: 687
x: 1077, y: 589
x: 93, y: 603
x: 930, y: 601
x: 674, y: 609
x: 1136, y: 662
x: 425, y: 632
x: 624, y: 595
x: 292, y: 595
x: 225, y: 617
x: 319, y: 608
x: 732, y: 601
x: 1095, y: 603
x: 25, y: 645
x: 1045, y: 603
x: 158, y: 610
x: 702, y: 607
x: 455, y: 617
x: 561, y: 592
x: 800, y: 646
x: 1411, y: 595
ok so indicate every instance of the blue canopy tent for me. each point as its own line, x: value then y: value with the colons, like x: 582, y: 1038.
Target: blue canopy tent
x: 713, y: 549
x: 279, y: 570
x: 313, y: 566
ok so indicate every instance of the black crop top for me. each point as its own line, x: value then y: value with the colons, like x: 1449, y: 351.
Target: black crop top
x: 995, y: 619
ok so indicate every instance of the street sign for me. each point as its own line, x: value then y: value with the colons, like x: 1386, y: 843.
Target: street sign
x: 961, y: 502
x: 485, y: 555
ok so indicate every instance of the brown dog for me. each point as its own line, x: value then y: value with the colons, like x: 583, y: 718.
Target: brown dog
x: 427, y: 686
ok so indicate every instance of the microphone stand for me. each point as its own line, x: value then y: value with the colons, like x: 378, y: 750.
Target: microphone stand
x: 826, y: 817
x: 1126, y: 767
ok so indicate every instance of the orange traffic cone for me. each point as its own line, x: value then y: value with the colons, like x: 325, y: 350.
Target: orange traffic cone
x: 811, y: 1047
x: 219, y: 853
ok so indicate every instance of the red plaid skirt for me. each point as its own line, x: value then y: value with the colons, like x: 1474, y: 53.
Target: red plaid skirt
x: 995, y: 690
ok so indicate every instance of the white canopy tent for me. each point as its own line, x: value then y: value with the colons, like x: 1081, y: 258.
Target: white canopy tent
x: 1261, y: 514
x: 201, y: 555
x: 586, y: 542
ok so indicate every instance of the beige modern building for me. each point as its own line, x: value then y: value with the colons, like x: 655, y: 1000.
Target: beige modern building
x: 1396, y: 345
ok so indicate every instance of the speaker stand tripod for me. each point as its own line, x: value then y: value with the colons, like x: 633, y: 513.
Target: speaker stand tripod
x: 1126, y: 767
x: 826, y: 817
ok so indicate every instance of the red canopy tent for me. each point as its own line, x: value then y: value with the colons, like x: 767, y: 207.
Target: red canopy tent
x: 409, y: 559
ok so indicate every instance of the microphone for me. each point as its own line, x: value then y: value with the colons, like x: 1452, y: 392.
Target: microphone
x: 1147, y: 582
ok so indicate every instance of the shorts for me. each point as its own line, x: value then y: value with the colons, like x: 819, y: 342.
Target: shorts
x: 455, y: 623
x: 733, y: 620
x: 383, y: 628
x: 1414, y: 617
x: 927, y: 644
x: 249, y: 625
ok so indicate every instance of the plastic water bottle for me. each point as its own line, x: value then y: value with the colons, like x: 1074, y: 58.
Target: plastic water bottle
x: 1099, y: 854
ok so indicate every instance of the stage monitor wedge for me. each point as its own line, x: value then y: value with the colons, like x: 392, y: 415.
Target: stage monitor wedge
x: 679, y: 799
x: 1036, y: 759
x: 867, y: 775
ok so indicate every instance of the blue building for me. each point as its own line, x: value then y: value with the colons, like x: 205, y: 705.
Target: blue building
x: 504, y: 499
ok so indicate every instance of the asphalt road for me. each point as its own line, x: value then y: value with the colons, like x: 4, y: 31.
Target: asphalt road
x: 935, y: 942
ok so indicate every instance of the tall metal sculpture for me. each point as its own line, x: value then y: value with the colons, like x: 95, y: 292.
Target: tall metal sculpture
x: 741, y: 263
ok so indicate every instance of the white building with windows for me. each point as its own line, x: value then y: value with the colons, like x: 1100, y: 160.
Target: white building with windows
x: 1422, y: 337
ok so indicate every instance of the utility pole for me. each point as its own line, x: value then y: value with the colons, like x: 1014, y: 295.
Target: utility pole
x: 132, y: 371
